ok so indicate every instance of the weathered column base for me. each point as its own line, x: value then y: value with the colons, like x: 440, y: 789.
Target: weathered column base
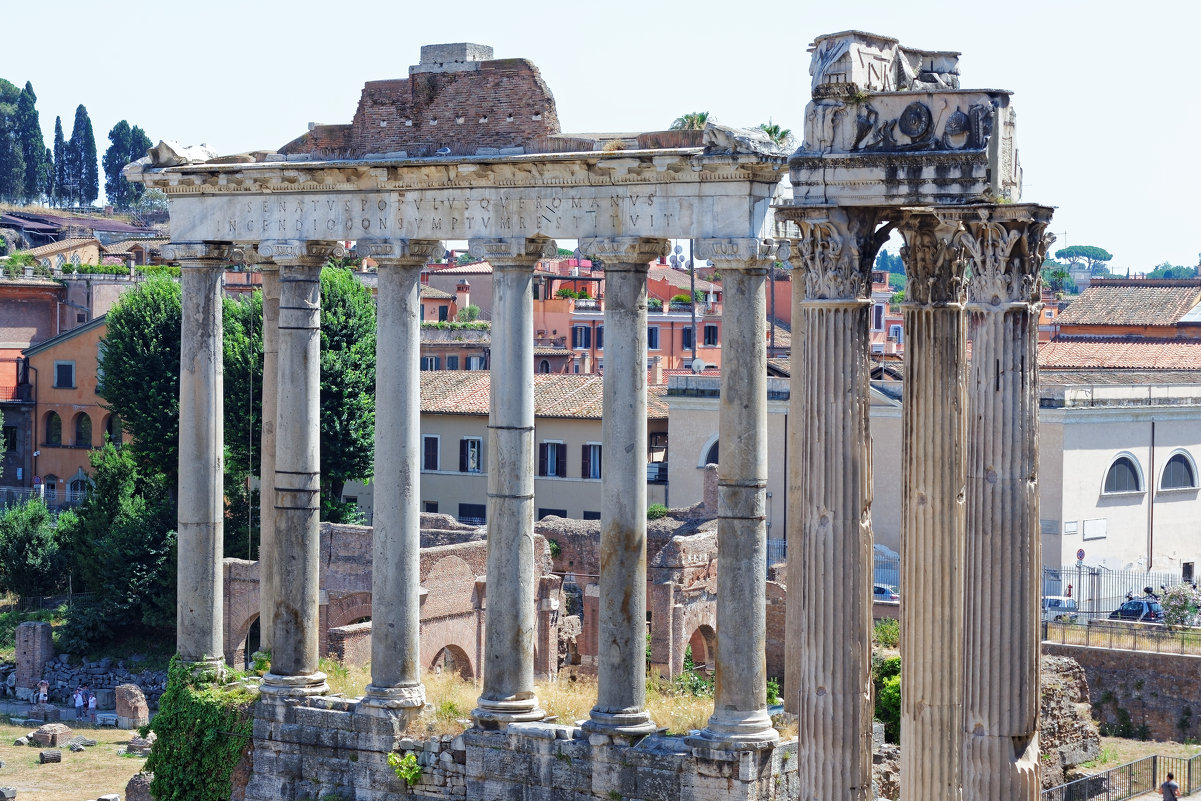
x: 737, y: 731
x: 624, y: 723
x: 998, y: 766
x: 294, y: 686
x: 207, y: 664
x: 492, y: 714
x: 390, y: 700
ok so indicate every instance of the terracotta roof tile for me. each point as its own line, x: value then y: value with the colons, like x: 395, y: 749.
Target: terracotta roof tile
x: 473, y: 268
x: 555, y: 395
x: 679, y: 278
x: 1132, y: 302
x: 1121, y: 353
x: 61, y: 247
x: 1111, y: 377
x: 433, y: 293
x: 125, y: 245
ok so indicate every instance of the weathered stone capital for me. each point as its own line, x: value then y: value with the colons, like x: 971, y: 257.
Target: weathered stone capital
x: 631, y: 250
x: 301, y: 252
x: 734, y: 253
x: 837, y: 250
x: 1004, y: 247
x: 513, y: 252
x: 401, y: 252
x: 198, y: 254
x: 933, y: 260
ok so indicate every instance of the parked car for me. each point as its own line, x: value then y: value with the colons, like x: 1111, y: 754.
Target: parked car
x: 1139, y: 610
x: 1060, y: 608
x: 885, y: 592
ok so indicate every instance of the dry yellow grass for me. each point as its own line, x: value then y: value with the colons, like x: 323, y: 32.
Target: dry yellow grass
x: 92, y: 772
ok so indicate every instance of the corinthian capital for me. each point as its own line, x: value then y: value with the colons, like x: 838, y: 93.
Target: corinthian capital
x: 401, y: 251
x: 837, y: 249
x: 1005, y: 247
x: 623, y: 249
x: 513, y: 251
x: 198, y: 253
x: 933, y: 259
x: 738, y: 252
x: 301, y: 252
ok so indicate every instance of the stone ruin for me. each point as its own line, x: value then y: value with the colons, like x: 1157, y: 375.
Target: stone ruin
x: 892, y: 142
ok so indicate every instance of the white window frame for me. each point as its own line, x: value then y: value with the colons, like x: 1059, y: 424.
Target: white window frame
x: 1192, y: 463
x: 1138, y: 470
x: 595, y: 459
x: 479, y: 454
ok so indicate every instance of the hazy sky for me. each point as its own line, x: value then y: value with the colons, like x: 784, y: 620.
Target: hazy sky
x: 1107, y: 93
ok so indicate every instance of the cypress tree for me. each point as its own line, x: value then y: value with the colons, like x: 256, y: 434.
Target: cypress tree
x: 128, y: 144
x: 84, y: 166
x: 12, y: 161
x: 58, y: 173
x: 33, y: 145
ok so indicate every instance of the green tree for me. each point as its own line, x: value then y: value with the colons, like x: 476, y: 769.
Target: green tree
x: 1167, y: 270
x: 31, y: 562
x: 139, y: 372
x: 347, y: 385
x: 692, y: 121
x: 83, y: 163
x: 122, y: 547
x: 12, y: 160
x: 1093, y: 256
x: 781, y: 136
x: 59, y: 189
x: 890, y: 262
x: 32, y: 143
x: 126, y: 145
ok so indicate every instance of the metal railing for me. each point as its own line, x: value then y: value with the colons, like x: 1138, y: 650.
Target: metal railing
x: 14, y: 496
x: 1099, y: 590
x: 1131, y: 780
x: 1125, y: 635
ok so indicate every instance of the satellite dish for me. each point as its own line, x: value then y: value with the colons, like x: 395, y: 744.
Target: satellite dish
x: 698, y: 365
x: 443, y: 151
x: 784, y: 251
x: 679, y: 249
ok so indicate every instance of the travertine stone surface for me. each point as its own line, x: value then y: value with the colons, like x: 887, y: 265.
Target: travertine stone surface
x: 829, y: 503
x: 932, y: 501
x: 396, y: 587
x: 1004, y: 247
x: 740, y: 719
x: 621, y: 667
x: 297, y: 468
x: 201, y: 452
x: 268, y: 592
x: 508, y: 693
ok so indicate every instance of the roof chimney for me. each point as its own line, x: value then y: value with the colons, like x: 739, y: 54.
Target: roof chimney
x: 656, y: 370
x: 462, y: 294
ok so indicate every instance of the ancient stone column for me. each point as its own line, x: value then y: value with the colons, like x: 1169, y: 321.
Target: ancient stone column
x: 621, y: 667
x: 508, y: 694
x: 932, y: 512
x: 1004, y: 246
x: 740, y: 719
x: 267, y: 589
x: 201, y: 454
x: 296, y: 566
x: 396, y: 558
x: 830, y: 565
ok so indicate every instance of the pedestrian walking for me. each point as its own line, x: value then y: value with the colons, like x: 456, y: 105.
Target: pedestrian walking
x: 1170, y: 790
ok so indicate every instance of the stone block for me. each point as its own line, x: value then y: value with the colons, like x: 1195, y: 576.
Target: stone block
x: 106, y: 719
x: 45, y: 757
x: 52, y: 735
x: 45, y: 712
x: 105, y: 698
x: 21, y: 741
x: 109, y: 797
x: 8, y: 793
x: 130, y: 703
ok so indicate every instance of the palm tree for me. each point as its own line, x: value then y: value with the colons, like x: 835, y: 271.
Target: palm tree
x: 781, y: 136
x: 693, y: 121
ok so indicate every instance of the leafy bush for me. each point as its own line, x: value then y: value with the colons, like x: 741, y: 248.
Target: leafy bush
x: 773, y: 690
x: 468, y: 314
x: 30, y: 560
x: 887, y: 633
x: 886, y: 679
x: 655, y: 511
x: 406, y: 767
x: 682, y: 298
x: 202, y: 729
x: 148, y: 270
x: 654, y: 304
x: 1181, y: 605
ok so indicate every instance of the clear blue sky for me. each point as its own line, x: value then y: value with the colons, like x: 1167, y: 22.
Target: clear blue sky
x: 1107, y: 95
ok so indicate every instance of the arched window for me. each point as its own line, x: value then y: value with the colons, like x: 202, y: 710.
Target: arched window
x: 83, y: 430
x: 544, y: 366
x: 1123, y: 476
x: 54, y: 429
x: 112, y: 429
x: 77, y: 490
x: 711, y: 457
x: 1179, y: 473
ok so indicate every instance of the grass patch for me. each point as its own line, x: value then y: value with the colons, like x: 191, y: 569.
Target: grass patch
x: 92, y: 772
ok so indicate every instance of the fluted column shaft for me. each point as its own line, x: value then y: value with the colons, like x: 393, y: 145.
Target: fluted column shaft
x: 508, y: 693
x: 296, y: 566
x: 1005, y: 250
x: 830, y: 538
x: 396, y: 558
x: 268, y: 591
x: 201, y: 455
x: 933, y: 464
x: 621, y: 664
x: 740, y: 719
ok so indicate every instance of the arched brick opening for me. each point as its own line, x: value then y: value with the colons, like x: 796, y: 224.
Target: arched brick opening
x: 452, y: 657
x: 244, y: 649
x: 350, y: 609
x: 703, y: 642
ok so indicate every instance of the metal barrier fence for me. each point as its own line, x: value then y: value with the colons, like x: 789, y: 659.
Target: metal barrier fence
x: 15, y: 496
x: 1125, y: 635
x: 777, y: 551
x: 1099, y: 590
x: 1131, y: 780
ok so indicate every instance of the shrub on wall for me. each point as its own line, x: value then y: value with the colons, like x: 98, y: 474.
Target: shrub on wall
x: 202, y: 729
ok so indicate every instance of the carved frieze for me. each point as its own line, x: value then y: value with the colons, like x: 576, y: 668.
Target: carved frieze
x: 301, y: 251
x: 729, y: 251
x: 934, y: 261
x: 513, y: 251
x: 837, y: 249
x: 624, y: 249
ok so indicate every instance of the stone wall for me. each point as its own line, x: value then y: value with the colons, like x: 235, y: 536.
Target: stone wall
x: 1067, y: 734
x: 327, y: 747
x: 1155, y: 695
x: 351, y: 645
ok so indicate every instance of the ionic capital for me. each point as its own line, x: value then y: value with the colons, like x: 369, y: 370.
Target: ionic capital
x: 628, y: 250
x: 738, y: 253
x: 301, y: 252
x: 402, y: 252
x: 933, y: 259
x: 198, y: 254
x: 837, y: 250
x: 510, y: 252
x: 1004, y: 247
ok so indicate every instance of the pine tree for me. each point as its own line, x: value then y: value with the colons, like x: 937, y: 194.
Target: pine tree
x: 58, y: 181
x: 33, y: 145
x: 127, y: 144
x: 84, y: 165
